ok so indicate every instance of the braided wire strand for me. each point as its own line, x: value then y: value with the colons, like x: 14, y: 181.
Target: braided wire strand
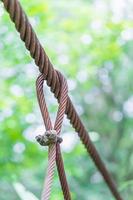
x: 46, y: 193
x: 37, y: 52
x: 54, y: 150
x: 62, y: 174
x: 59, y: 160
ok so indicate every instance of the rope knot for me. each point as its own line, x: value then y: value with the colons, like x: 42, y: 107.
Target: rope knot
x: 48, y: 138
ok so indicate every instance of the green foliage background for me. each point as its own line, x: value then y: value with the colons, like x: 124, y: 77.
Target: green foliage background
x: 91, y: 43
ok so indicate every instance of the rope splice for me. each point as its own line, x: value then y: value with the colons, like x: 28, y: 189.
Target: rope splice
x: 50, y: 137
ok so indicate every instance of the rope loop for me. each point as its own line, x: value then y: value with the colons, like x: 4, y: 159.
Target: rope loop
x: 51, y: 137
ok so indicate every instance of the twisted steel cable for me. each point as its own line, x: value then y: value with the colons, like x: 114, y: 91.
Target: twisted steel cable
x: 37, y: 52
x: 50, y: 173
x: 54, y: 149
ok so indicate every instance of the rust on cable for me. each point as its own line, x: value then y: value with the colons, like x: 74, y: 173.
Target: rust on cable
x: 54, y: 81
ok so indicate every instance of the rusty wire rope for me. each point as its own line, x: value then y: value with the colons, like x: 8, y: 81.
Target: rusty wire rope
x: 46, y: 139
x: 37, y: 52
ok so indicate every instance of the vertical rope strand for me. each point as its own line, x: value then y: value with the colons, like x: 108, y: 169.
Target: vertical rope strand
x: 50, y: 173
